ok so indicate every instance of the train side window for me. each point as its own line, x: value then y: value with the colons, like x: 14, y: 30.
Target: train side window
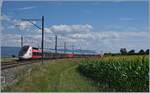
x: 34, y: 53
x: 39, y: 54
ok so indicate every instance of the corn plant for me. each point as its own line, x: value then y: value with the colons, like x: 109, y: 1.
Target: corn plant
x: 121, y: 73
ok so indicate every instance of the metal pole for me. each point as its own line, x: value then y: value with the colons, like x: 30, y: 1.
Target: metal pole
x: 64, y: 47
x: 42, y: 36
x: 55, y: 43
x: 72, y: 49
x: 21, y: 41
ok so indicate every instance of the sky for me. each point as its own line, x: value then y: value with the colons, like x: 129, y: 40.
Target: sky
x: 101, y: 26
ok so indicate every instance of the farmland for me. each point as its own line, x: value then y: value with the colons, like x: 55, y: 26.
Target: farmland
x: 124, y: 73
x: 117, y: 73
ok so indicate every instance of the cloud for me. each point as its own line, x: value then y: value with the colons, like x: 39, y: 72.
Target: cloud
x: 107, y: 40
x: 13, y: 23
x: 23, y: 25
x: 15, y: 40
x: 112, y: 40
x: 83, y: 36
x: 69, y: 29
x: 99, y: 41
x: 4, y: 18
x: 10, y: 40
x: 1, y: 29
x: 26, y: 8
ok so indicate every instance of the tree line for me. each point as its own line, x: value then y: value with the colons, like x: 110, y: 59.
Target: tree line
x: 124, y: 51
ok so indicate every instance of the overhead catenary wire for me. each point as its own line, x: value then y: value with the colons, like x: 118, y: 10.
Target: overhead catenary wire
x: 41, y: 28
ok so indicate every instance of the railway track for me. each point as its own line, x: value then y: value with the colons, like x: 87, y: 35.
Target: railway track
x: 15, y: 63
x: 11, y: 64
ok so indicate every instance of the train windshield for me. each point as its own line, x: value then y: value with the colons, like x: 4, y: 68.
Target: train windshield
x: 23, y: 50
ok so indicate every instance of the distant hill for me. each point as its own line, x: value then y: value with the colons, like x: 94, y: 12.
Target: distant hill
x: 9, y: 51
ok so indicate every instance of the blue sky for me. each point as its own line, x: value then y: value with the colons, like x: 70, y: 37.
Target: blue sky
x: 101, y: 26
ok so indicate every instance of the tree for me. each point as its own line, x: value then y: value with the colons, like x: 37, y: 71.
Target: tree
x: 13, y: 55
x: 123, y: 50
x: 108, y: 54
x: 131, y: 51
x: 147, y: 51
x: 141, y: 51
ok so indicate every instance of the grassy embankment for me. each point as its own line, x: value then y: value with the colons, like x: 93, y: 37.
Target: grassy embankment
x: 60, y: 75
x: 6, y: 59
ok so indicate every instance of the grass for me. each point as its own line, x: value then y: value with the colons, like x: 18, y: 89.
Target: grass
x: 55, y: 76
x: 6, y: 59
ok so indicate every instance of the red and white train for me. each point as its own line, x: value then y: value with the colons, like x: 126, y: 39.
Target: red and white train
x: 28, y: 52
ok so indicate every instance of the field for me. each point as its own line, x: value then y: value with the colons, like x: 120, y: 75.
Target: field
x: 120, y: 73
x: 57, y: 75
x: 6, y: 59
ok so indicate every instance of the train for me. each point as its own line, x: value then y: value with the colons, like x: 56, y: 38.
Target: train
x: 29, y: 52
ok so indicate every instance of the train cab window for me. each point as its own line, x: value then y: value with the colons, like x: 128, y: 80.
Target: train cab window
x: 25, y: 48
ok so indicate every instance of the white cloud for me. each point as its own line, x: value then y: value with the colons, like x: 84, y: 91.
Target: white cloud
x: 23, y: 25
x: 10, y: 40
x: 4, y: 18
x: 69, y: 29
x: 11, y: 27
x: 83, y: 36
x: 15, y: 40
x: 14, y: 23
x: 26, y: 8
x: 1, y: 28
x: 110, y: 40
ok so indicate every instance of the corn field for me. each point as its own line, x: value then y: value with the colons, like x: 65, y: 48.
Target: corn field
x: 119, y: 73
